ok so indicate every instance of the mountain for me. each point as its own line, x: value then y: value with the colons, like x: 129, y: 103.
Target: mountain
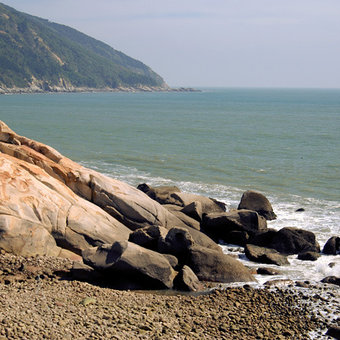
x: 38, y: 55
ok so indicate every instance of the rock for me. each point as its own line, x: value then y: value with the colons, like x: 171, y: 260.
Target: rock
x: 332, y: 246
x: 128, y: 266
x: 129, y: 205
x: 252, y: 200
x: 172, y: 260
x: 308, y: 256
x: 161, y: 194
x: 194, y: 210
x: 148, y: 237
x: 234, y: 227
x: 177, y: 211
x: 187, y: 281
x: 211, y: 265
x: 267, y: 271
x: 177, y: 242
x: 82, y: 272
x: 88, y: 301
x: 265, y: 255
x: 300, y: 210
x: 287, y: 240
x: 40, y: 215
x: 334, y: 332
x: 332, y: 280
x: 208, y: 205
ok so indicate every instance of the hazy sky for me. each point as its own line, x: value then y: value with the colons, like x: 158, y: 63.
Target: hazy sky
x: 234, y: 43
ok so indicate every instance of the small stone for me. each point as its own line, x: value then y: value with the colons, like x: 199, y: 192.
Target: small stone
x: 88, y: 301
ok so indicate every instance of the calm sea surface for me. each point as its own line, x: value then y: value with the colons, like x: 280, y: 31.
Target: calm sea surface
x: 218, y: 142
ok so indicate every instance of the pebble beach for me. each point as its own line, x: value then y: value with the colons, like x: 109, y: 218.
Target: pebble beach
x: 39, y: 300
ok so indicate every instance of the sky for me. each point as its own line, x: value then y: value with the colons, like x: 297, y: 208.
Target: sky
x: 213, y: 43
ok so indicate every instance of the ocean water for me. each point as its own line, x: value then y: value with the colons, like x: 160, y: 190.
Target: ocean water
x: 284, y: 143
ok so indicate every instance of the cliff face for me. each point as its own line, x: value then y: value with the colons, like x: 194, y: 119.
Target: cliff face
x: 38, y: 56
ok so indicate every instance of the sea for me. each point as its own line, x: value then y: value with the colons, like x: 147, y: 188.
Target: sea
x: 219, y: 142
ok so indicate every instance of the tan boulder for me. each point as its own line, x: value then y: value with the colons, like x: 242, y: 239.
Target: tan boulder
x: 40, y: 215
x: 127, y: 204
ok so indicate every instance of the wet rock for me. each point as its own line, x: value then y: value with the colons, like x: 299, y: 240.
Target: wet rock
x: 334, y: 331
x: 332, y: 246
x: 234, y: 227
x: 332, y: 280
x: 287, y: 240
x: 265, y: 255
x: 308, y: 256
x: 267, y: 271
x: 252, y: 200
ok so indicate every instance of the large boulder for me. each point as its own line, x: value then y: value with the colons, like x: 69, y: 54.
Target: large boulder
x: 211, y: 265
x: 128, y: 266
x: 287, y: 240
x: 161, y: 194
x: 235, y: 226
x: 332, y: 246
x: 40, y: 215
x: 129, y: 205
x: 265, y: 255
x: 252, y: 200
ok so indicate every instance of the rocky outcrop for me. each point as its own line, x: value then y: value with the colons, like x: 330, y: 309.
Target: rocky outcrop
x: 40, y: 215
x: 252, y: 200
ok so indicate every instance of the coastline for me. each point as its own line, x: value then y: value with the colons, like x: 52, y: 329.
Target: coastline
x: 57, y: 89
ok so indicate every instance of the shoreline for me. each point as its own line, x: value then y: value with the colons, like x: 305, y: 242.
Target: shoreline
x: 37, y: 301
x: 39, y: 90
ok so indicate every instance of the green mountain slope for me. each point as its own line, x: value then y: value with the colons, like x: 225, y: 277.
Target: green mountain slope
x: 39, y: 55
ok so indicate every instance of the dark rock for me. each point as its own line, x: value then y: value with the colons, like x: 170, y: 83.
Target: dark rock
x: 208, y: 205
x: 177, y: 211
x: 186, y: 280
x: 172, y: 260
x: 82, y: 272
x: 177, y: 242
x: 300, y: 210
x: 267, y: 271
x: 287, y: 240
x: 252, y: 200
x: 265, y: 255
x: 128, y: 266
x: 332, y: 280
x: 334, y: 331
x: 332, y: 246
x: 211, y: 265
x: 308, y: 256
x: 194, y: 210
x: 222, y: 226
x: 160, y: 194
x: 148, y: 237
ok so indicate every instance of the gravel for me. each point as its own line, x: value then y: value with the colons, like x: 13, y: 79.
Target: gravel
x: 39, y: 301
